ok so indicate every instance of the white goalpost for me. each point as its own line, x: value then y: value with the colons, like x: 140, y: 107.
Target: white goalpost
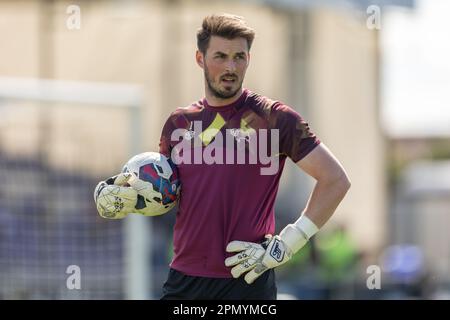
x: 39, y: 235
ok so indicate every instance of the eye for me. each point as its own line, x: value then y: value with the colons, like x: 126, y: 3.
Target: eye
x: 219, y: 56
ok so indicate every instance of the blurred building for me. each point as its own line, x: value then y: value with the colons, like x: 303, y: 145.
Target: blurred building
x: 421, y: 206
x: 321, y: 60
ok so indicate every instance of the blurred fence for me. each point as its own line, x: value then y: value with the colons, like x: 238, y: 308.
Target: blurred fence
x: 56, y: 143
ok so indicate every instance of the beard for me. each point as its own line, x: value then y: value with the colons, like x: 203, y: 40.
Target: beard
x: 221, y: 93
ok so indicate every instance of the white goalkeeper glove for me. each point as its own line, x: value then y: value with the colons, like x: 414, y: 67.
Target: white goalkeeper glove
x: 255, y: 258
x: 113, y: 199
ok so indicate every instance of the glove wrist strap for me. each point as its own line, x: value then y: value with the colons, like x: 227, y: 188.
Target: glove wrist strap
x: 297, y: 234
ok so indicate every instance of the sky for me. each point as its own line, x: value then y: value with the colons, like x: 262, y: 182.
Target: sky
x: 415, y: 46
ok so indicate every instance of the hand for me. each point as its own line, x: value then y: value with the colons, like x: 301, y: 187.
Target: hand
x: 255, y: 258
x: 113, y: 199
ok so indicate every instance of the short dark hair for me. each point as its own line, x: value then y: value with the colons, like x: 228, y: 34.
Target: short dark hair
x: 224, y: 25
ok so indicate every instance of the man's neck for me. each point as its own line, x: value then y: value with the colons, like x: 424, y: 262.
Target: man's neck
x: 218, y: 102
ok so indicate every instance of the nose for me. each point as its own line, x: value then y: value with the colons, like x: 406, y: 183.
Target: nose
x: 230, y: 66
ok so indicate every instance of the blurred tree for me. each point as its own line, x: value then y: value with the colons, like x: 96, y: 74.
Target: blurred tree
x: 440, y: 149
x: 337, y: 259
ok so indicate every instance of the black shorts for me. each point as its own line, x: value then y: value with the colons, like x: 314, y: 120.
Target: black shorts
x: 181, y: 286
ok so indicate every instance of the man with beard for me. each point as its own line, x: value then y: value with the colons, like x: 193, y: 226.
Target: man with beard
x: 224, y: 242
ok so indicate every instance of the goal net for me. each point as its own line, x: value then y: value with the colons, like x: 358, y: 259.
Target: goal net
x: 57, y: 140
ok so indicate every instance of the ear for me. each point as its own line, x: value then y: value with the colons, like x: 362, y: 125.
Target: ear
x: 199, y: 58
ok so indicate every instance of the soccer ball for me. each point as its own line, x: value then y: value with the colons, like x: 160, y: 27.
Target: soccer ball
x: 155, y: 177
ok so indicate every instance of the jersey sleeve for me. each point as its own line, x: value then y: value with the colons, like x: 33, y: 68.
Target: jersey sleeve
x: 176, y: 120
x: 296, y: 139
x: 165, y: 146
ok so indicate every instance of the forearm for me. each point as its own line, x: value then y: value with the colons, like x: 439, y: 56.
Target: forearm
x: 325, y: 198
x: 331, y: 187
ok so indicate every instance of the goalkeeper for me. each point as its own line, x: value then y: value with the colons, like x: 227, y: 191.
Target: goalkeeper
x: 224, y: 242
x: 224, y: 247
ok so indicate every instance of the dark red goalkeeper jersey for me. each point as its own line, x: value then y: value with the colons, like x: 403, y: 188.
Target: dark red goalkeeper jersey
x: 230, y: 160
